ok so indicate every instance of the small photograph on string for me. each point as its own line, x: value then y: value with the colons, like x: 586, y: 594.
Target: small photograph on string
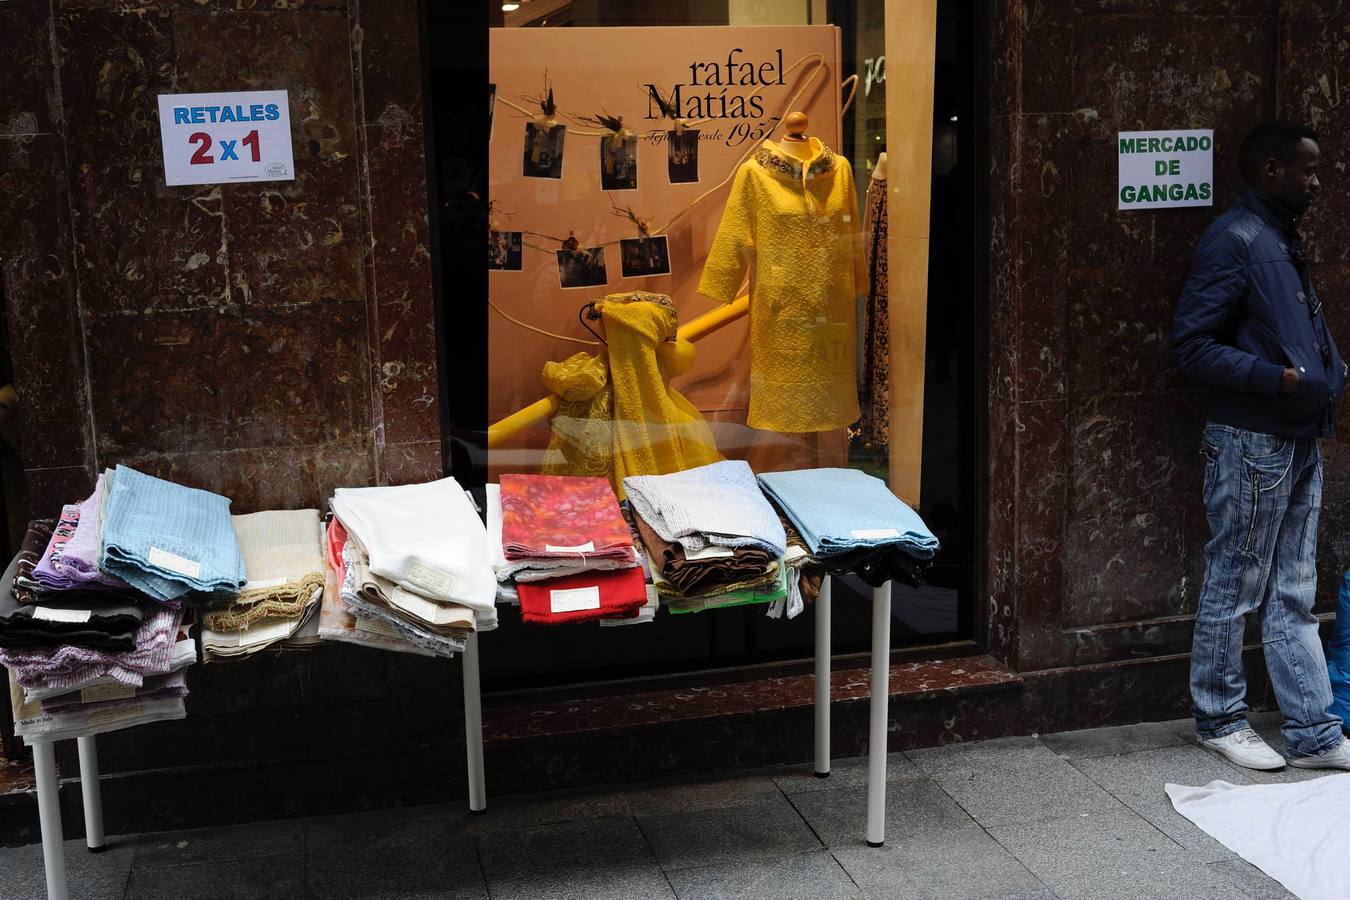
x: 580, y: 268
x: 682, y: 145
x: 504, y: 251
x: 644, y: 257
x: 544, y: 149
x: 618, y: 162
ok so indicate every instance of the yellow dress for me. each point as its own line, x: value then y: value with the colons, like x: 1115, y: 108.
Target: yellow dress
x: 794, y: 229
x: 619, y: 415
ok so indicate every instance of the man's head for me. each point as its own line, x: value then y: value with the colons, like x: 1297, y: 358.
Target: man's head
x: 1279, y: 159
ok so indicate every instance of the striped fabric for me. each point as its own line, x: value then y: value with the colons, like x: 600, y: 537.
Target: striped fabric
x: 169, y: 540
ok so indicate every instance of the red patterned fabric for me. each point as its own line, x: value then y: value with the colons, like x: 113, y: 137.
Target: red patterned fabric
x: 564, y: 518
x: 622, y: 594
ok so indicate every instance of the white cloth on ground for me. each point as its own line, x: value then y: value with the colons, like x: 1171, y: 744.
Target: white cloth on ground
x: 1297, y: 833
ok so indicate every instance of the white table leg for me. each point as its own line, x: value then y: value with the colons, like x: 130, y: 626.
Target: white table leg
x: 49, y: 818
x: 92, y: 794
x: 473, y: 726
x: 823, y: 680
x: 881, y: 695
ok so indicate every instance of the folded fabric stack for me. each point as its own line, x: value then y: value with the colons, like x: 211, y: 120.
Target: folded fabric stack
x: 563, y: 543
x: 712, y: 539
x: 170, y: 541
x: 852, y: 523
x: 415, y: 559
x: 283, y: 556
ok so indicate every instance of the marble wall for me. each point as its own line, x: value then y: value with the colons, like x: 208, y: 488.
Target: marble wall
x: 267, y: 341
x: 1096, y: 526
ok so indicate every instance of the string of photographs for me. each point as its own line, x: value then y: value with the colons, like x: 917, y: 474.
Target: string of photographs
x: 545, y: 139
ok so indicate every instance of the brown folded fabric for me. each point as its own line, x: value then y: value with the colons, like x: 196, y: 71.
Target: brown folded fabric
x: 35, y: 541
x: 745, y: 567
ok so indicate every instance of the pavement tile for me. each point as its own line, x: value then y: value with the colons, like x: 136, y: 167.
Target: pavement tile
x: 91, y: 876
x: 1109, y: 855
x: 1047, y: 790
x: 710, y: 793
x: 769, y: 828
x: 514, y: 812
x: 391, y: 854
x: 1002, y: 754
x: 1251, y: 880
x: 164, y: 849
x: 263, y: 878
x: 961, y: 863
x: 1137, y: 779
x: 1118, y: 739
x: 804, y: 876
x: 567, y: 859
x: 849, y: 772
x: 913, y: 807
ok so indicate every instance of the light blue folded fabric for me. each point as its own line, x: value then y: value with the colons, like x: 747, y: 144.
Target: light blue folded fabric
x: 169, y: 540
x: 717, y: 504
x: 838, y: 510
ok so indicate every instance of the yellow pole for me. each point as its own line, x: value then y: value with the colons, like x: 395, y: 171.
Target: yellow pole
x: 541, y: 410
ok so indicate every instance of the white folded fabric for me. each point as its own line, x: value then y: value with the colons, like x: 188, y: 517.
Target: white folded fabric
x: 426, y: 538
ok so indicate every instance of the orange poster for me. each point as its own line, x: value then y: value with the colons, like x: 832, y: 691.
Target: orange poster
x: 572, y: 187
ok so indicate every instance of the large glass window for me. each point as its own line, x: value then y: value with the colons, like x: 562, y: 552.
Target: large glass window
x: 687, y: 254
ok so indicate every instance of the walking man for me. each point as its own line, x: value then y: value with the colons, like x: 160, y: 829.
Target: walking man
x: 1251, y: 328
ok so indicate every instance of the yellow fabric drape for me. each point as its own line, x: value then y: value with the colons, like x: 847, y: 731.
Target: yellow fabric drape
x: 619, y: 416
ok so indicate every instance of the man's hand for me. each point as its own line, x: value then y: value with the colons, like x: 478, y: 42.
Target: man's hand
x: 1289, y: 381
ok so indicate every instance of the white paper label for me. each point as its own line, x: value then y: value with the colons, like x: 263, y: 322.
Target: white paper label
x: 874, y: 534
x: 266, y: 633
x: 265, y: 585
x: 793, y: 554
x: 574, y: 599
x: 48, y: 614
x: 377, y: 626
x: 588, y: 547
x: 433, y: 581
x: 97, y: 693
x: 114, y: 714
x: 175, y: 563
x: 710, y: 552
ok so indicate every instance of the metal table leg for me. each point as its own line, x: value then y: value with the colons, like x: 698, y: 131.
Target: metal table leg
x: 92, y: 794
x: 823, y: 680
x: 49, y: 818
x: 473, y: 726
x: 881, y: 695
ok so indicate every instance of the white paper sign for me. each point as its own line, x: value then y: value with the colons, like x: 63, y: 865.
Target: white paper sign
x: 226, y: 137
x: 1162, y: 169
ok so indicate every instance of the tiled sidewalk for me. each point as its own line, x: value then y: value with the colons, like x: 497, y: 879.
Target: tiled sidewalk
x: 1074, y: 815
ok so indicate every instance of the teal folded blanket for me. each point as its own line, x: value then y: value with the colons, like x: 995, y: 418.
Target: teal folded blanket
x: 169, y: 540
x: 839, y: 510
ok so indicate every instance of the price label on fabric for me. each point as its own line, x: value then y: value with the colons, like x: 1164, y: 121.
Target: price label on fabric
x: 73, y: 616
x: 588, y: 547
x: 174, y: 563
x: 874, y: 534
x: 98, y: 693
x: 1161, y: 169
x: 433, y: 581
x: 226, y: 137
x: 376, y: 626
x: 574, y: 599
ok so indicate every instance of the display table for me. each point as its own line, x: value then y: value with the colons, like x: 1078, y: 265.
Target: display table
x: 49, y: 809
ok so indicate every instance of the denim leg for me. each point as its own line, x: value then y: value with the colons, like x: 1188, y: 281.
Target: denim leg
x: 1294, y: 658
x: 1246, y: 495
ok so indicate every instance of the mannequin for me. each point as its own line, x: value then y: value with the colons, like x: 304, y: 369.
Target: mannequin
x: 795, y: 141
x: 879, y: 170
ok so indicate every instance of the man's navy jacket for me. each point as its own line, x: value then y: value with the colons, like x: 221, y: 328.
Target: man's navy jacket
x: 1249, y: 311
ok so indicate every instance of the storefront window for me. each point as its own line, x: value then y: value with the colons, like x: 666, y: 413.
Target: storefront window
x: 687, y: 253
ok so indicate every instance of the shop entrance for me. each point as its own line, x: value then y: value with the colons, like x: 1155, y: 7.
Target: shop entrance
x: 491, y: 356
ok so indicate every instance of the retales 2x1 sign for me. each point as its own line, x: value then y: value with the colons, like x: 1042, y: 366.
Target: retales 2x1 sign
x: 1162, y: 169
x: 226, y: 137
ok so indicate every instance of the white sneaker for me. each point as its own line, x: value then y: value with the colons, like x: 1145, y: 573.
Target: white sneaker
x: 1246, y: 748
x: 1337, y: 757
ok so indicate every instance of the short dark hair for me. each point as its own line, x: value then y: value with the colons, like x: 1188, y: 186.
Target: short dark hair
x: 1275, y: 139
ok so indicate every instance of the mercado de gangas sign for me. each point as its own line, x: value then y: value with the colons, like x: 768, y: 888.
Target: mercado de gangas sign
x: 1161, y: 169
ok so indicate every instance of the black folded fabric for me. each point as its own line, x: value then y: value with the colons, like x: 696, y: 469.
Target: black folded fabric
x: 878, y: 565
x: 99, y: 620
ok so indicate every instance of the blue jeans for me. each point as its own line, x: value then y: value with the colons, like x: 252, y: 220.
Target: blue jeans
x: 1262, y: 496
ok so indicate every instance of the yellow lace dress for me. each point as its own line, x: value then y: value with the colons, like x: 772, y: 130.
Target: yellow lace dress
x: 619, y: 415
x: 793, y: 227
